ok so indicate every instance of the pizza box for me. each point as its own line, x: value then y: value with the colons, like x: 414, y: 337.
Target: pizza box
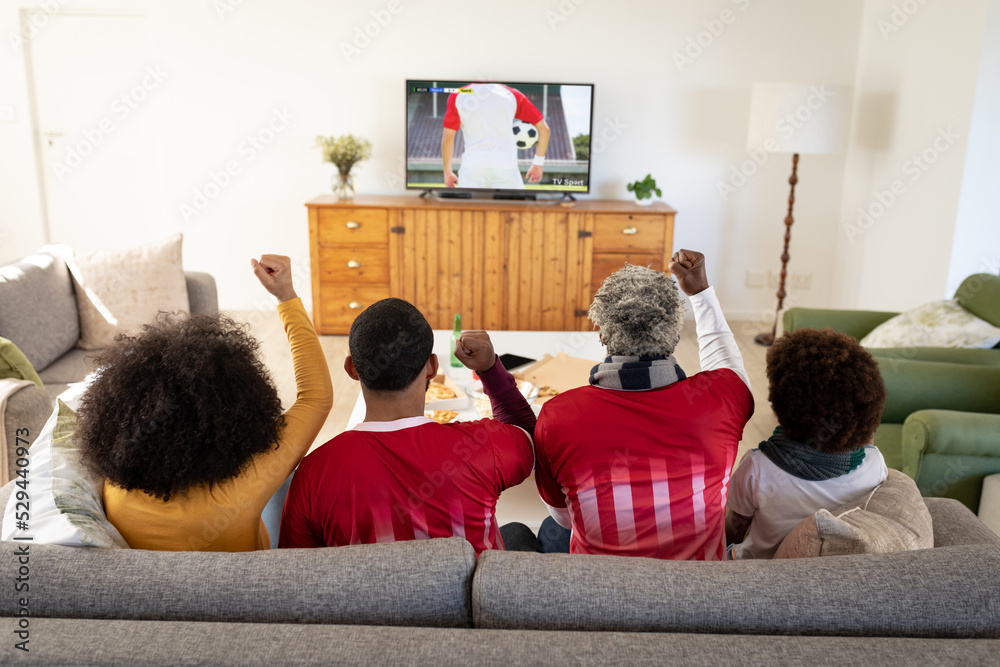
x: 460, y: 402
x: 561, y: 373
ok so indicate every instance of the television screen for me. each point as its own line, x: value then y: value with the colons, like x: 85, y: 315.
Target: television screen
x: 518, y: 138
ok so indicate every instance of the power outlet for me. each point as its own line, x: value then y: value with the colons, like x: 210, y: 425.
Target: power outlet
x: 802, y: 281
x: 8, y: 114
x: 756, y: 278
x: 773, y: 279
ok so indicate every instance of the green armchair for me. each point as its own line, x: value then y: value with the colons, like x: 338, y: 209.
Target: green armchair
x: 941, y: 423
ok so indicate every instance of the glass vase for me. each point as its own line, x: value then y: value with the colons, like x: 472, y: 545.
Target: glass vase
x: 343, y: 185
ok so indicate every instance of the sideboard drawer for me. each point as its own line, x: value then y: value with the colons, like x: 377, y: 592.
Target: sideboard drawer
x: 354, y: 265
x: 352, y: 226
x: 340, y: 304
x: 627, y: 232
x: 607, y: 263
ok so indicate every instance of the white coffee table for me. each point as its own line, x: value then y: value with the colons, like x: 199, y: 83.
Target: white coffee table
x: 531, y: 344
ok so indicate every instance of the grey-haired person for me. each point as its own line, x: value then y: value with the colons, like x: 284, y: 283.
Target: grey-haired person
x: 638, y: 462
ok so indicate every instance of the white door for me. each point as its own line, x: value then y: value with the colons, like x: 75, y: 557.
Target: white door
x: 95, y: 87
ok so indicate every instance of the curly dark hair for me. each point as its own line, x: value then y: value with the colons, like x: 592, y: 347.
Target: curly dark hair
x: 826, y: 389
x: 185, y: 402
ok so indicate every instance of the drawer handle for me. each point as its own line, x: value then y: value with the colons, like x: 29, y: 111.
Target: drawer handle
x: 354, y: 264
x: 629, y: 231
x: 355, y: 305
x: 352, y: 224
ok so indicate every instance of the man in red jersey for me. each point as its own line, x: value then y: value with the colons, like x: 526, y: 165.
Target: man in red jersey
x: 486, y: 115
x: 638, y: 463
x: 399, y: 475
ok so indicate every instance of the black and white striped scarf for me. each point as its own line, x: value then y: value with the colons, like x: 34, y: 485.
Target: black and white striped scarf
x: 636, y: 373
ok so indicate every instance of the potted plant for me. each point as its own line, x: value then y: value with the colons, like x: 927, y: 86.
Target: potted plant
x: 644, y: 190
x: 344, y: 152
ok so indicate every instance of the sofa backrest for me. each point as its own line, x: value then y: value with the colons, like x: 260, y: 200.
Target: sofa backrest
x: 980, y: 295
x: 948, y: 591
x: 913, y: 385
x: 421, y: 583
x: 38, y: 309
x: 941, y: 592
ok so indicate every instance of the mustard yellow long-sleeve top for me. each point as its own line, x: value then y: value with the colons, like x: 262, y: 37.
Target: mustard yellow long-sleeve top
x: 227, y: 517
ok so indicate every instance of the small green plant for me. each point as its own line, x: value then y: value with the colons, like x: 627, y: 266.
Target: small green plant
x: 645, y: 188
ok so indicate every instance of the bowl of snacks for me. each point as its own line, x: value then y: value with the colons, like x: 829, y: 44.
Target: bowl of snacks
x: 482, y: 402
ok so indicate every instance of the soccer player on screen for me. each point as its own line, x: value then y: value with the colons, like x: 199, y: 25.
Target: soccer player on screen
x: 486, y: 116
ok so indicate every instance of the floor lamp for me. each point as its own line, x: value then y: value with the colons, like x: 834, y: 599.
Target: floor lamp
x: 796, y: 119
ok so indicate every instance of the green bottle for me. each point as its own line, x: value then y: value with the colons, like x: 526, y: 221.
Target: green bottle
x: 456, y: 333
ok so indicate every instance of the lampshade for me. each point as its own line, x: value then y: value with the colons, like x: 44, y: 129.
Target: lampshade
x: 799, y: 118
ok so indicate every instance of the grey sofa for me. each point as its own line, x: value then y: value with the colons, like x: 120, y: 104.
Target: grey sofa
x: 431, y: 602
x: 38, y: 313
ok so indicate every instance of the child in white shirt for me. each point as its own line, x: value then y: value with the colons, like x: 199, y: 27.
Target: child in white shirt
x: 828, y: 395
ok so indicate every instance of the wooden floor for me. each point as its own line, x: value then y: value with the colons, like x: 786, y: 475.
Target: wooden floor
x: 520, y: 503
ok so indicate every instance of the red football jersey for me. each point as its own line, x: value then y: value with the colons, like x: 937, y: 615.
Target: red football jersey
x: 403, y: 480
x: 644, y: 473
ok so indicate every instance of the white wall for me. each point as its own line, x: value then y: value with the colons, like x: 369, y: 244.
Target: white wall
x: 915, y: 83
x: 976, y: 246
x: 686, y: 124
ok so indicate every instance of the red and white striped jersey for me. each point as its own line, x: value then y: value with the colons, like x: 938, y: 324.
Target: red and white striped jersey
x: 644, y: 473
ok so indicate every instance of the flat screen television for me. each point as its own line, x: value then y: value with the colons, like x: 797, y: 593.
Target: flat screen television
x: 509, y: 139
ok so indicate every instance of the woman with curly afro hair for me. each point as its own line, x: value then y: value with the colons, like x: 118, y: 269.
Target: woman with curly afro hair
x: 828, y: 395
x: 185, y: 423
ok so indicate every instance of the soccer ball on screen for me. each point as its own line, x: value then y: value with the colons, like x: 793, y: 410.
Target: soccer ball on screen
x: 525, y: 134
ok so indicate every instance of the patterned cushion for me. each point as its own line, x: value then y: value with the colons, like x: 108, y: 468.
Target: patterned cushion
x: 121, y: 291
x: 65, y: 497
x: 893, y: 517
x: 940, y: 324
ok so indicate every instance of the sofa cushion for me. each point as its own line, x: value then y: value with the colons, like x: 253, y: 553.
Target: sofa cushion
x: 941, y: 592
x: 420, y: 583
x: 938, y: 324
x: 62, y: 641
x: 66, y: 505
x: 120, y: 291
x: 13, y: 364
x: 44, y: 333
x: 893, y: 517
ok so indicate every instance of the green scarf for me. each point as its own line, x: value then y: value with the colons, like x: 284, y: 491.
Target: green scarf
x: 806, y: 462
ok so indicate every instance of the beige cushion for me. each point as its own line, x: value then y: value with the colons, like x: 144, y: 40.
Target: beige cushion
x: 893, y: 517
x: 939, y: 324
x: 120, y: 291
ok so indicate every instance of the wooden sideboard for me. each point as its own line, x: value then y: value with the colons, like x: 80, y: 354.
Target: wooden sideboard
x: 502, y: 265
